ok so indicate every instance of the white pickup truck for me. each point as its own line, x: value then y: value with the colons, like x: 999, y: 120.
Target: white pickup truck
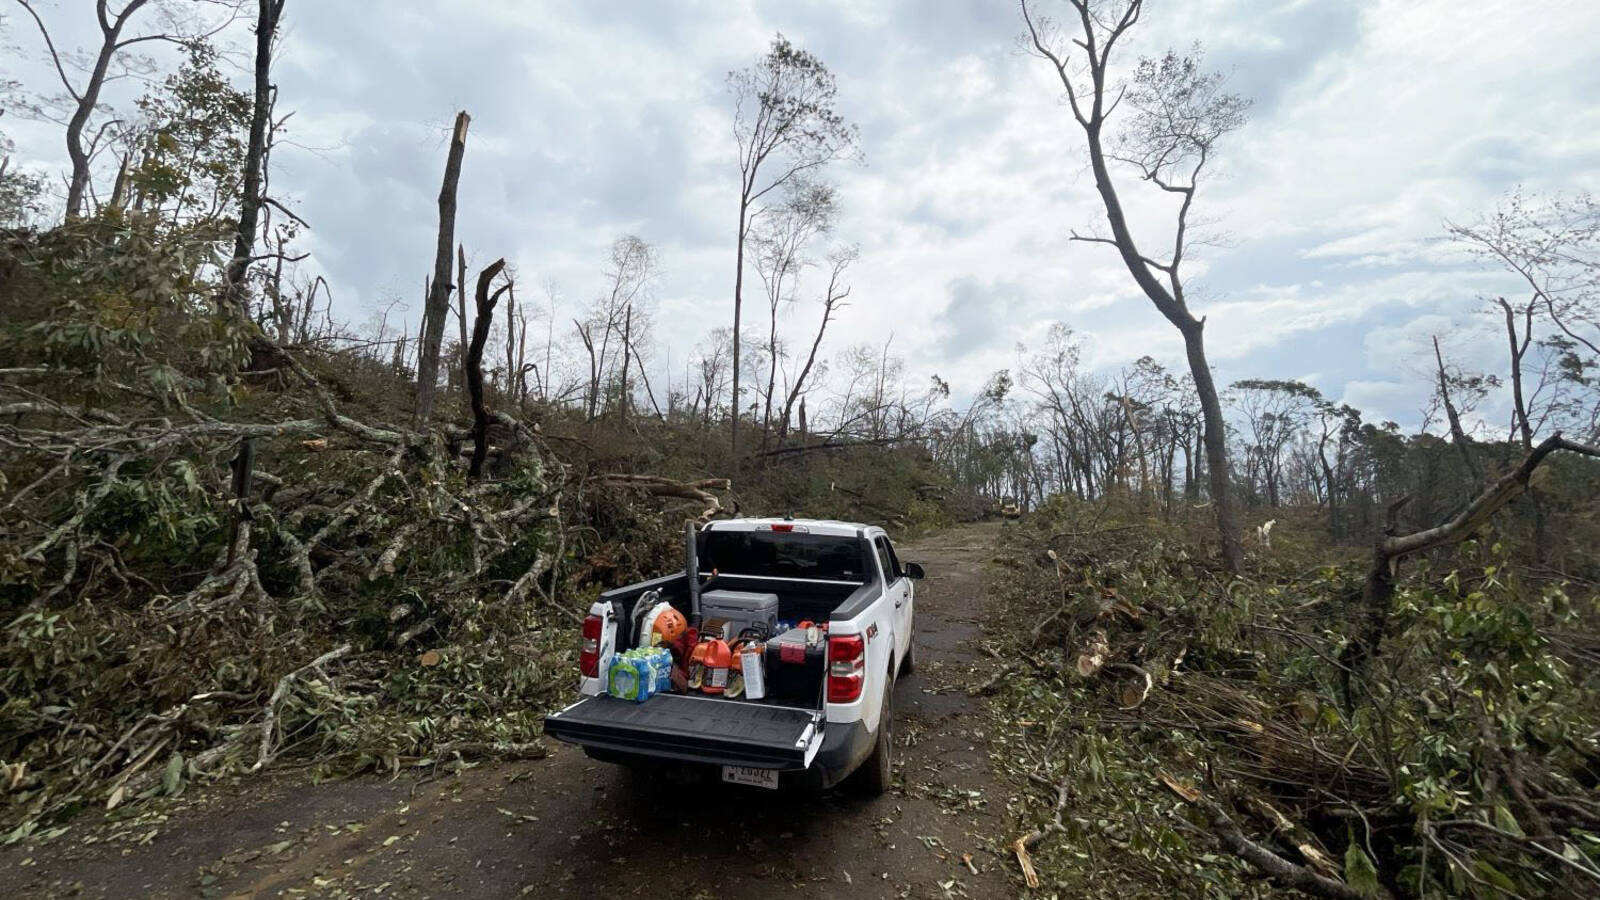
x: 822, y: 721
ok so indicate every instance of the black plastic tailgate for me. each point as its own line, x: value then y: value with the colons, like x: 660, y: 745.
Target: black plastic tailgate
x: 686, y: 727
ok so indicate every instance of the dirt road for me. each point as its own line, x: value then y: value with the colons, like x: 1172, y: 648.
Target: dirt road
x: 569, y: 827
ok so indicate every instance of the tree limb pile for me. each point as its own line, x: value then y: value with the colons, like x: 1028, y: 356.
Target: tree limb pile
x: 269, y: 717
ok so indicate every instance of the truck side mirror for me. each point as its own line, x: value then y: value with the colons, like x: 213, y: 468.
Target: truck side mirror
x: 914, y: 571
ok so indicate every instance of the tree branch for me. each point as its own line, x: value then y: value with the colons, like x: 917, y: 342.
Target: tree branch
x: 1485, y: 505
x: 1274, y: 866
x: 55, y: 57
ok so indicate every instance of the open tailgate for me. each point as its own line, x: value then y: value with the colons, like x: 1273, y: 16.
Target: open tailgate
x: 696, y: 729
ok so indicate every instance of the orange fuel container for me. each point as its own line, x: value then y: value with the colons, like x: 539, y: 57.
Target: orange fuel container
x: 718, y: 659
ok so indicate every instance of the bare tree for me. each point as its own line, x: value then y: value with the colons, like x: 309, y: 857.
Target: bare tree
x: 268, y: 15
x: 520, y: 384
x: 1553, y: 330
x: 711, y: 372
x: 786, y: 126
x: 832, y: 299
x: 459, y: 368
x: 608, y: 332
x: 1179, y: 113
x: 1552, y: 245
x: 438, y: 305
x: 95, y: 69
x: 513, y: 370
x: 780, y: 241
x: 1458, y: 434
x: 1338, y: 425
x: 543, y: 376
x: 624, y: 394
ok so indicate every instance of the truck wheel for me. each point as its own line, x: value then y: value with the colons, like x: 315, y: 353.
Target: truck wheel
x: 877, y: 772
x: 909, y: 664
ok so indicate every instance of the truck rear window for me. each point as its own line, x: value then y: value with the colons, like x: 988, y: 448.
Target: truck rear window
x: 791, y: 555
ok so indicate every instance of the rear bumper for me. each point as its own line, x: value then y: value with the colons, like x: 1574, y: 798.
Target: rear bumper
x: 843, y: 751
x: 618, y: 731
x: 844, y: 748
x: 693, y: 729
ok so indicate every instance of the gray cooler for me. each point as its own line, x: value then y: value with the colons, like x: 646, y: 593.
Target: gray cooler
x: 743, y: 608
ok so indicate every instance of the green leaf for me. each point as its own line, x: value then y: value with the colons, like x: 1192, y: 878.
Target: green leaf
x: 1494, y: 876
x: 1359, y: 872
x: 1505, y: 821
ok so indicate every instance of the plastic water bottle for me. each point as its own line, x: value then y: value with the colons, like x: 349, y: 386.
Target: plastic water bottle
x: 623, y: 680
x: 661, y: 658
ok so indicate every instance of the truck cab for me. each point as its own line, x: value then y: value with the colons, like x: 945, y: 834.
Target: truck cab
x: 827, y: 710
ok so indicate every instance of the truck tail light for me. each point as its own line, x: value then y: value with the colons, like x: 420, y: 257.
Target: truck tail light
x: 589, y: 654
x: 847, y: 667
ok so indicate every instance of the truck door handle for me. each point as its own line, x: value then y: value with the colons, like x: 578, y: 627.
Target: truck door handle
x: 899, y: 603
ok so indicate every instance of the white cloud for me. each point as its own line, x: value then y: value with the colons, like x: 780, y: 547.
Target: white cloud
x: 1375, y: 121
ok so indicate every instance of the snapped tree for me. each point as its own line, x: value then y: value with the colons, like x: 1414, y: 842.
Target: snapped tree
x: 438, y: 303
x: 268, y: 14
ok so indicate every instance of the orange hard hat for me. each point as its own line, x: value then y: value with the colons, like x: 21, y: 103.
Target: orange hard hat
x: 670, y: 625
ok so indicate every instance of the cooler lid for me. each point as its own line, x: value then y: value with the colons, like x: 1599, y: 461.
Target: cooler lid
x: 738, y: 600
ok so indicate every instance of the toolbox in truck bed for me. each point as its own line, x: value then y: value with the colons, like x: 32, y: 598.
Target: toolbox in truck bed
x: 693, y: 728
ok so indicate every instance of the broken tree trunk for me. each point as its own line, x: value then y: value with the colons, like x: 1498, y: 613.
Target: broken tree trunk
x: 244, y: 234
x: 243, y: 466
x: 461, y: 294
x: 480, y: 336
x: 659, y: 486
x: 439, y: 296
x: 1391, y: 549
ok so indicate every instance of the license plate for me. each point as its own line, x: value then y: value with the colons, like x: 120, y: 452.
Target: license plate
x: 762, y: 778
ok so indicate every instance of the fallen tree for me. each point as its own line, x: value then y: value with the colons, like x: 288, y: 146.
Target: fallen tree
x: 1377, y: 593
x: 1466, y: 770
x: 697, y: 492
x: 176, y: 542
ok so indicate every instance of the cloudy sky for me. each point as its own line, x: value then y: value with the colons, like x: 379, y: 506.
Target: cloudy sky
x: 1374, y: 122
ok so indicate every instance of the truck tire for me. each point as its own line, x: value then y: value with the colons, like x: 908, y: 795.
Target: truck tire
x: 877, y: 771
x: 909, y: 664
